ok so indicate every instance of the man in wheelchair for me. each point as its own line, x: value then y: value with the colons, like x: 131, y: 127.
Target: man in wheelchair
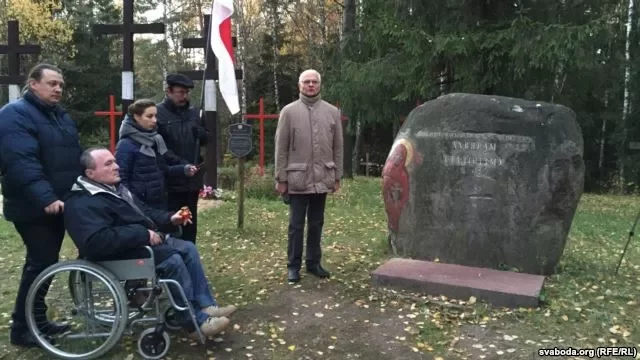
x: 106, y: 222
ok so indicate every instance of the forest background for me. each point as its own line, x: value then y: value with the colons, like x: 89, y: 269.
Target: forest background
x: 378, y: 60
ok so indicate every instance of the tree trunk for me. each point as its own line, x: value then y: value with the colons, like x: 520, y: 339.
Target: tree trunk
x: 165, y: 53
x: 356, y: 147
x: 348, y: 29
x: 323, y: 33
x: 603, y: 136
x: 275, y: 20
x: 626, y: 106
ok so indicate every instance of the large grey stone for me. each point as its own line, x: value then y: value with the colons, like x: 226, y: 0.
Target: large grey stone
x: 484, y: 181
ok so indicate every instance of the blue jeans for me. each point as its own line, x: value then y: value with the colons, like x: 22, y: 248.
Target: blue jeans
x: 185, y: 268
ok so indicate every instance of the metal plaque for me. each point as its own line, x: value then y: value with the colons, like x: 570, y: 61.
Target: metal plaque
x: 240, y: 139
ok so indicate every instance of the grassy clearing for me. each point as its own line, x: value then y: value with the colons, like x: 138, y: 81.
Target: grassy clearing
x: 585, y: 305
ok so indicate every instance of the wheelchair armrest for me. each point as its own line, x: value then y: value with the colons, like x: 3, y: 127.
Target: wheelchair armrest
x: 150, y: 253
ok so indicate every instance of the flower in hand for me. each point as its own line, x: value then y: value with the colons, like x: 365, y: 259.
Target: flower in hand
x: 182, y: 216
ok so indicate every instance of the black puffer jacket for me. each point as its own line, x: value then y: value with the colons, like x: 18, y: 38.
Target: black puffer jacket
x: 180, y: 127
x: 39, y: 156
x: 105, y: 226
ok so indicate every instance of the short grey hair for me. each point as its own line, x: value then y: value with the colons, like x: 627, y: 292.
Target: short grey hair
x: 86, y: 159
x: 310, y: 71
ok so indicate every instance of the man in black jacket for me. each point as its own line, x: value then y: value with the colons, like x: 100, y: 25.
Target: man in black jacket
x: 39, y: 148
x: 106, y: 222
x: 181, y: 127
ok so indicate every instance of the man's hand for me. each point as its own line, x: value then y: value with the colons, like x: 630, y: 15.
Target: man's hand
x: 190, y: 170
x: 282, y: 188
x: 336, y: 187
x: 154, y: 238
x: 55, y: 207
x: 178, y: 219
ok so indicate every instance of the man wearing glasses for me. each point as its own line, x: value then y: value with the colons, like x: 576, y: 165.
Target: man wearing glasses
x: 181, y: 128
x: 308, y: 165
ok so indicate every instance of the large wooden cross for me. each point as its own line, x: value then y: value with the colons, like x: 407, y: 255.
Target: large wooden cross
x: 209, y: 75
x: 13, y: 49
x: 127, y: 29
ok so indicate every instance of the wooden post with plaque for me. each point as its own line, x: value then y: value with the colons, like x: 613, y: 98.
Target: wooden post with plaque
x: 240, y: 145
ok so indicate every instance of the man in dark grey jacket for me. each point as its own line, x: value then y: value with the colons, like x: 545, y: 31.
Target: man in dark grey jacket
x: 182, y: 129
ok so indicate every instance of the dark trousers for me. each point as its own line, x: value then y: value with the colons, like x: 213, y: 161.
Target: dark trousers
x: 310, y: 206
x: 43, y: 239
x: 190, y: 199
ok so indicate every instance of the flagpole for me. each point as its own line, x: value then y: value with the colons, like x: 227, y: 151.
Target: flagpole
x: 222, y: 11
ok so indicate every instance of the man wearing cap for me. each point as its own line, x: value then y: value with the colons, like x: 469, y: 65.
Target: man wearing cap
x: 181, y: 127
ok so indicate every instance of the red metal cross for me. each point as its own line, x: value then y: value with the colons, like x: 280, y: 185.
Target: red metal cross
x: 112, y: 113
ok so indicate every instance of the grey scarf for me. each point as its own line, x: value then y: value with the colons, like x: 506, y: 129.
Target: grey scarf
x: 148, y: 140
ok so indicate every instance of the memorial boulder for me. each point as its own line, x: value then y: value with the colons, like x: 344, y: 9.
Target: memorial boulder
x: 484, y: 181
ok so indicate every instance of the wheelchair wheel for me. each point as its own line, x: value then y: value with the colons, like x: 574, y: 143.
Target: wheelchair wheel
x: 153, y: 344
x: 96, y: 293
x: 75, y: 282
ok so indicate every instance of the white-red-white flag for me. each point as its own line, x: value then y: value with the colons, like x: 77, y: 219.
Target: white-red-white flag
x: 223, y: 49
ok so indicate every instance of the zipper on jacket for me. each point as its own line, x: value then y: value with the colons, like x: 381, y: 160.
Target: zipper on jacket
x: 313, y: 173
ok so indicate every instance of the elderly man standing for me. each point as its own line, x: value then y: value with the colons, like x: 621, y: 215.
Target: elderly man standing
x: 308, y: 161
x: 182, y: 129
x: 39, y: 151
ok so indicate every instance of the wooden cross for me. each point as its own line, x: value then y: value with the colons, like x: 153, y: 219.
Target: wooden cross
x: 127, y: 29
x: 14, y: 49
x: 209, y: 75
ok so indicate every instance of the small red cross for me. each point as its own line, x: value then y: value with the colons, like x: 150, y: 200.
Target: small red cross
x: 112, y: 113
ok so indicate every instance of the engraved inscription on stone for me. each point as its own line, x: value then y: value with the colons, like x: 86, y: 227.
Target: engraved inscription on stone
x: 483, y: 180
x: 478, y: 149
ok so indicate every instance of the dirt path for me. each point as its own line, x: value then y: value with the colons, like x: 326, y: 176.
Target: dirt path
x: 313, y: 321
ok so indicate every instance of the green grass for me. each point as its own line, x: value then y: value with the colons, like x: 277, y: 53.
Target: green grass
x: 585, y: 305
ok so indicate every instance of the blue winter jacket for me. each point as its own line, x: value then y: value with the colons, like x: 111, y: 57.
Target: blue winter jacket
x: 39, y: 156
x: 146, y: 176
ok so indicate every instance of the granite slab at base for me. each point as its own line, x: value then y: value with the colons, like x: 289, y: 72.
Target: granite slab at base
x: 498, y: 288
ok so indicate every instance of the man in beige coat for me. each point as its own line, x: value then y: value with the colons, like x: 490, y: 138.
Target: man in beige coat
x: 308, y: 163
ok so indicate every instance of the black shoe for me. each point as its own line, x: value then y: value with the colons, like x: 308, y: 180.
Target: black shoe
x: 318, y: 271
x: 23, y: 338
x: 294, y: 275
x: 54, y: 328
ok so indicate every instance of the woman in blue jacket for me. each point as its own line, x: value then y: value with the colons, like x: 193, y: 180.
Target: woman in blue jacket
x: 144, y: 160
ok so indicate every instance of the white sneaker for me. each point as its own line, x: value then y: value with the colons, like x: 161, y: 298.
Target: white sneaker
x: 215, y: 311
x: 212, y: 326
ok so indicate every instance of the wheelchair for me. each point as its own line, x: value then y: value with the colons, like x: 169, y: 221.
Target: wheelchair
x: 91, y: 297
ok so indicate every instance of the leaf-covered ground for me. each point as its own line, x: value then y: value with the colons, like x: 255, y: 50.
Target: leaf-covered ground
x: 585, y: 304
